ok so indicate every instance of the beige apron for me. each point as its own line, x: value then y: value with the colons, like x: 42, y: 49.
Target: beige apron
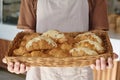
x: 63, y: 15
x: 67, y: 16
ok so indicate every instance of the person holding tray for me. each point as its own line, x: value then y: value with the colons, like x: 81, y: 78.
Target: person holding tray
x: 67, y: 16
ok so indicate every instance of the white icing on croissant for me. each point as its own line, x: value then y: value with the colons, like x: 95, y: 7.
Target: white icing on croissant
x: 93, y: 35
x: 54, y: 34
x: 49, y: 40
x: 86, y: 50
x: 94, y: 44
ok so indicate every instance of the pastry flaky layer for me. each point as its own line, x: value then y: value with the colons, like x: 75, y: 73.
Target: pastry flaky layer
x: 54, y: 43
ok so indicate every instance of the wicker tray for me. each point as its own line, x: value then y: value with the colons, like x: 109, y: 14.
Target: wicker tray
x: 59, y: 62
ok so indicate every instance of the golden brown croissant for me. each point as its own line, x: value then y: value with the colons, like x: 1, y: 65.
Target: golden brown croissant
x: 39, y: 54
x: 20, y: 51
x: 82, y: 51
x: 91, y: 45
x: 90, y: 36
x: 39, y: 43
x: 56, y: 35
x: 57, y: 52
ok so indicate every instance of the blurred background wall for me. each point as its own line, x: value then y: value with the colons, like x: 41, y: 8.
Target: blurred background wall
x: 10, y: 11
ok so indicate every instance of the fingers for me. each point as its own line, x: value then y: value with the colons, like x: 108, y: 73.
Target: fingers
x: 110, y: 63
x: 10, y: 67
x: 4, y: 60
x: 23, y: 68
x: 101, y: 64
x: 98, y: 64
x: 17, y: 68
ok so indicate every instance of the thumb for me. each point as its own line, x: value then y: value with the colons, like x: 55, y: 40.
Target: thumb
x: 4, y: 60
x: 115, y: 56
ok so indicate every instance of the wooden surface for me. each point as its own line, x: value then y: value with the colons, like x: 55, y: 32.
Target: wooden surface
x: 3, y: 48
x: 108, y: 74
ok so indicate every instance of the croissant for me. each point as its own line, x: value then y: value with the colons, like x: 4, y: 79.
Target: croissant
x: 57, y: 52
x: 82, y: 51
x: 90, y: 36
x: 40, y: 42
x: 91, y: 45
x: 56, y: 35
x: 39, y: 54
x: 20, y: 51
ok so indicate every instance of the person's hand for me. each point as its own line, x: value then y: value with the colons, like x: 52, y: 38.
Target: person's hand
x: 17, y: 67
x: 102, y: 64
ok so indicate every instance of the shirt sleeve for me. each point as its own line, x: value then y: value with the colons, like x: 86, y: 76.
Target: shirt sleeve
x: 98, y: 16
x: 27, y: 17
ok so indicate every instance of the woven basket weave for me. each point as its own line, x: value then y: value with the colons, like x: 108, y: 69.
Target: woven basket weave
x: 59, y: 62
